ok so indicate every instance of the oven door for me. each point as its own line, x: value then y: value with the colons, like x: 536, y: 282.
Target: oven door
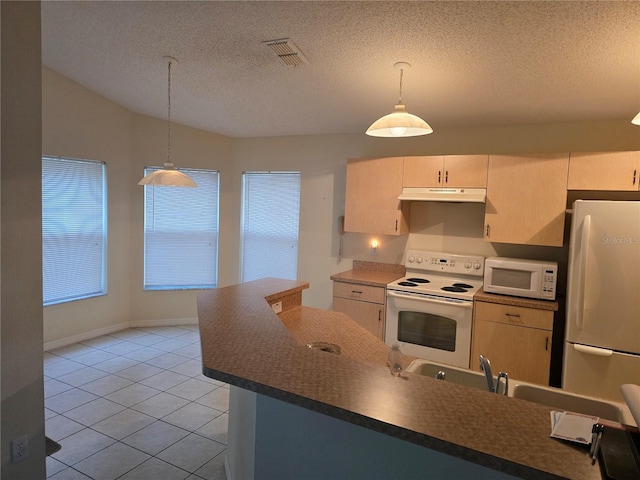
x: 430, y: 327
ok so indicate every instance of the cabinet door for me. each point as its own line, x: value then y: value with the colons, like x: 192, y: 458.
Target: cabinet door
x: 425, y: 171
x: 524, y: 353
x: 466, y: 171
x: 526, y: 199
x: 604, y: 171
x: 371, y: 202
x: 368, y: 315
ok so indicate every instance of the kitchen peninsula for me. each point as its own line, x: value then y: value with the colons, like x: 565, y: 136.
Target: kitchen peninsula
x: 316, y: 414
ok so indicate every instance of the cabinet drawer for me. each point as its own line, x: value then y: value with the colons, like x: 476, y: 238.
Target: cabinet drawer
x: 520, y: 316
x: 355, y: 291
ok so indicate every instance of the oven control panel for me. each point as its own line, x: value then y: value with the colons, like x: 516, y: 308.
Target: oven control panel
x: 444, y: 262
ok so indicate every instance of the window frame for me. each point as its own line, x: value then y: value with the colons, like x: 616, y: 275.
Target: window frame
x: 101, y: 219
x: 248, y: 174
x: 152, y: 284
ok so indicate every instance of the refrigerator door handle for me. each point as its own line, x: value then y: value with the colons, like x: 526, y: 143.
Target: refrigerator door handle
x: 599, y: 352
x: 582, y: 277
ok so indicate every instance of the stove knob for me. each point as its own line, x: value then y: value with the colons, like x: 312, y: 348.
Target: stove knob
x: 467, y: 265
x: 419, y: 260
x: 411, y: 259
x: 477, y: 265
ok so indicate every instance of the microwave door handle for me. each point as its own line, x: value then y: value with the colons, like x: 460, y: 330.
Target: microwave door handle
x: 421, y: 298
x: 583, y: 256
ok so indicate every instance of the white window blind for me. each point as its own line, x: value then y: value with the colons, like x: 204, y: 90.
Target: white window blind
x: 74, y: 229
x: 181, y: 233
x: 270, y: 223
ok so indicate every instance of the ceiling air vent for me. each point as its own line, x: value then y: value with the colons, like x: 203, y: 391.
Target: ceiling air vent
x: 287, y: 53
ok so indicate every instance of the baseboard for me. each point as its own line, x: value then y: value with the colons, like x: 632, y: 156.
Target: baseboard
x: 63, y: 342
x: 167, y: 322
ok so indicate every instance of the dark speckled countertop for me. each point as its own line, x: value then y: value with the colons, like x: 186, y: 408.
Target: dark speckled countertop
x: 247, y: 345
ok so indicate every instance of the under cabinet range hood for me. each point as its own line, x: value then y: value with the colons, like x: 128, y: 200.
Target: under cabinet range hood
x: 470, y: 195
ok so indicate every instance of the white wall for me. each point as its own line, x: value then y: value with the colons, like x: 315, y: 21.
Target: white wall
x: 189, y: 148
x: 21, y: 365
x: 79, y: 123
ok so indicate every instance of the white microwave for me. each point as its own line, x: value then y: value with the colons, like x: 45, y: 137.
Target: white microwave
x: 521, y: 278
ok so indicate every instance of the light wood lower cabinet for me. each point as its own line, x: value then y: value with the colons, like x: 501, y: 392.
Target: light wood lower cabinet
x: 516, y: 340
x: 365, y: 305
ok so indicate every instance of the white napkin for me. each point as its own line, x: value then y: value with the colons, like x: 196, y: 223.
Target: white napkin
x: 631, y: 394
x: 574, y: 427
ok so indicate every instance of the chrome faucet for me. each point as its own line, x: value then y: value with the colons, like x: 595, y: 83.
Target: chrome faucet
x: 485, y: 366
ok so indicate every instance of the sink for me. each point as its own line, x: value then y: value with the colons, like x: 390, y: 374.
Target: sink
x: 564, y: 400
x: 555, y: 398
x: 461, y: 376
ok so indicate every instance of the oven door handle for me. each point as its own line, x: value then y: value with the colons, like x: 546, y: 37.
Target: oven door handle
x: 423, y: 298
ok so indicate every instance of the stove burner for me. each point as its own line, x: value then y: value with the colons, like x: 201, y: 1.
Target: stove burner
x: 454, y: 289
x: 462, y: 285
x: 408, y: 284
x: 418, y: 280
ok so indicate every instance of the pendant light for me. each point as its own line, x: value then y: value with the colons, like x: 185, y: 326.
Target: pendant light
x: 636, y: 119
x: 168, y: 176
x: 399, y: 123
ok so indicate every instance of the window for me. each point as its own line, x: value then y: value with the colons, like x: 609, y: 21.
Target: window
x: 181, y: 233
x: 270, y: 221
x: 74, y: 229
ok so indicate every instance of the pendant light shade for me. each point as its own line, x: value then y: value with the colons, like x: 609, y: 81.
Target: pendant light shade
x: 636, y: 119
x: 168, y: 176
x: 399, y: 123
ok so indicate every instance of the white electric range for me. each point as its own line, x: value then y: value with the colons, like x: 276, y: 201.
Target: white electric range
x: 430, y: 309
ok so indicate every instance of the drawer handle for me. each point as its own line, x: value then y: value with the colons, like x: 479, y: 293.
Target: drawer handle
x: 513, y: 317
x: 356, y: 292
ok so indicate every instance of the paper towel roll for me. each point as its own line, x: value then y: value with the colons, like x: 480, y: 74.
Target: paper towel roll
x: 631, y: 394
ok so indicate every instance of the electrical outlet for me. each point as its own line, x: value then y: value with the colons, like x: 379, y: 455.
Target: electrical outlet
x: 276, y: 307
x: 19, y: 449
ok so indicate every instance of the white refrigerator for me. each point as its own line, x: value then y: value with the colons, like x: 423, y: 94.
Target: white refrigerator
x: 602, y: 347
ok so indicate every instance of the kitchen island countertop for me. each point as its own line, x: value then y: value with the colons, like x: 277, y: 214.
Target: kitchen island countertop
x: 244, y: 343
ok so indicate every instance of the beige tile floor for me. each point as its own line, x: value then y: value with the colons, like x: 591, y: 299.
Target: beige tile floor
x: 134, y: 404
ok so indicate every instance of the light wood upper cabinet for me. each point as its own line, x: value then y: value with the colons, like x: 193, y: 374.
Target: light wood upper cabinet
x: 459, y: 171
x: 526, y: 199
x: 604, y: 171
x: 371, y: 201
x: 517, y: 340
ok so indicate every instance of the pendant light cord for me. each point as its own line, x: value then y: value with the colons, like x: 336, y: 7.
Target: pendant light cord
x: 169, y: 114
x: 400, y: 94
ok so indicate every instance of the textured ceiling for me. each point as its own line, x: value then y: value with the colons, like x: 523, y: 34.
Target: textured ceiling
x: 474, y: 63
